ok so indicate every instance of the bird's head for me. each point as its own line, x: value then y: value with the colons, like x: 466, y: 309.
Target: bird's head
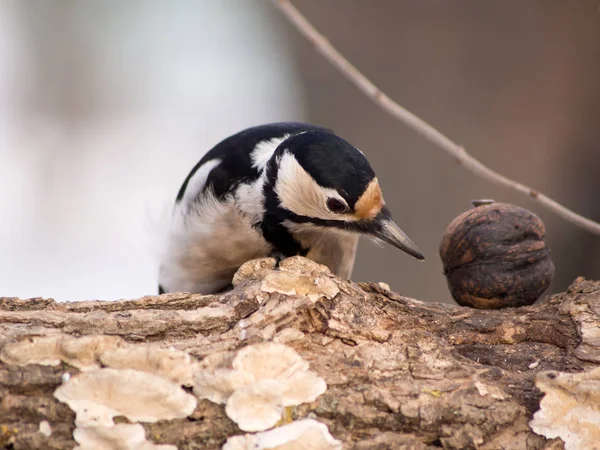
x: 317, y: 181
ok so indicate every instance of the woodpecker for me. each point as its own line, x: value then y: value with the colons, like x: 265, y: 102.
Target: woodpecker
x: 280, y: 189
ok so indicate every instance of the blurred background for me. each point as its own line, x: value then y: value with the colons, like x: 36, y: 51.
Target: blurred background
x: 106, y: 106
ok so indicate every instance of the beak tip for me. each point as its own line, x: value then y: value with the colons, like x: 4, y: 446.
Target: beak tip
x: 418, y: 255
x: 390, y: 232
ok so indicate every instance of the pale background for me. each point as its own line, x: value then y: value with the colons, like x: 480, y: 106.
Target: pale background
x: 105, y: 107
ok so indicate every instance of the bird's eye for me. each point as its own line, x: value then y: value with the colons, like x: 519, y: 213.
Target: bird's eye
x: 336, y: 206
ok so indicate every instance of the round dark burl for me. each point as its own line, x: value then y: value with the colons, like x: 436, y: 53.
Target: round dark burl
x: 495, y: 256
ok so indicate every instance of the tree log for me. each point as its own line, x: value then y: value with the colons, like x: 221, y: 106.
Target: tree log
x: 400, y: 373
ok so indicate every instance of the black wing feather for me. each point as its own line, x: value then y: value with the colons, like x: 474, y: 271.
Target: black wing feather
x: 234, y: 153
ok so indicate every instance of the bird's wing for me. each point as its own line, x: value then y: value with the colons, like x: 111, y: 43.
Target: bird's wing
x: 336, y: 251
x: 239, y: 158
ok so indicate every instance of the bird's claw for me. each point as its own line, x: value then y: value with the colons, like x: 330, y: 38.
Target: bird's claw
x: 278, y: 257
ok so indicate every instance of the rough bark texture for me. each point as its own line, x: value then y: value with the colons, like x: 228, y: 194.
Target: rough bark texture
x: 400, y: 373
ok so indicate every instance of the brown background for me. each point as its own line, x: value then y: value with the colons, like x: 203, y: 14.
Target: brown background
x: 516, y: 83
x: 106, y: 106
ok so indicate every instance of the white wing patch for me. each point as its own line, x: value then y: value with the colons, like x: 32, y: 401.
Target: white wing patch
x: 197, y: 183
x: 264, y: 150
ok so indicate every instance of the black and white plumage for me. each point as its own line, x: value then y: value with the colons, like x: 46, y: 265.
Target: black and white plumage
x: 279, y: 189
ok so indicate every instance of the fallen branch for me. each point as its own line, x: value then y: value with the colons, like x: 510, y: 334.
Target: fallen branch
x: 419, y: 125
x: 398, y: 373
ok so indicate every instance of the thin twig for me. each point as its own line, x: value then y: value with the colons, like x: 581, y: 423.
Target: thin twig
x: 419, y: 125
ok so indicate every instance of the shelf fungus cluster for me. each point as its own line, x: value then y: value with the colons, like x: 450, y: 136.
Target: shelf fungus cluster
x: 120, y: 436
x: 82, y: 353
x: 296, y: 276
x: 141, y: 383
x: 303, y: 434
x: 570, y: 409
x: 116, y: 386
x: 98, y: 396
x: 258, y: 385
x: 261, y: 381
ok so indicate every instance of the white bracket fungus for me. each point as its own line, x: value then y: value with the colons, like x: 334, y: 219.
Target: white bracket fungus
x: 570, y: 410
x: 303, y: 434
x: 217, y: 385
x: 296, y: 276
x: 256, y: 405
x: 253, y: 269
x: 298, y: 283
x: 118, y: 437
x: 82, y: 352
x: 87, y: 352
x: 98, y: 396
x: 168, y: 363
x: 264, y: 379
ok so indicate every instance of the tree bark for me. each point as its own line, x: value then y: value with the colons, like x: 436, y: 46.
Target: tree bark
x: 401, y: 373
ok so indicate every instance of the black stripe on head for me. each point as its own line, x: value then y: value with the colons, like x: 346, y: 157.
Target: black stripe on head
x: 332, y: 162
x: 358, y: 226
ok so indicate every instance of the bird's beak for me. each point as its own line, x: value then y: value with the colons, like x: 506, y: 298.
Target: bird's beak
x: 389, y: 232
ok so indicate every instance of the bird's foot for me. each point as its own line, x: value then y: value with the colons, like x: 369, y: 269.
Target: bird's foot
x: 278, y: 256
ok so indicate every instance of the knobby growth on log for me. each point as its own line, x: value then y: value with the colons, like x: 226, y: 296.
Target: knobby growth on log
x: 400, y: 373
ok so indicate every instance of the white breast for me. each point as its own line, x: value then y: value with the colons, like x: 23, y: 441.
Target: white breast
x: 207, y: 245
x: 209, y: 239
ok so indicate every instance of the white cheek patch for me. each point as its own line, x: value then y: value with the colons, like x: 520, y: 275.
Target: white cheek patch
x: 263, y: 151
x: 196, y: 183
x: 300, y: 193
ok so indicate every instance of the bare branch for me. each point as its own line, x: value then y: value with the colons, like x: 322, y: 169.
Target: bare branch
x: 419, y: 125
